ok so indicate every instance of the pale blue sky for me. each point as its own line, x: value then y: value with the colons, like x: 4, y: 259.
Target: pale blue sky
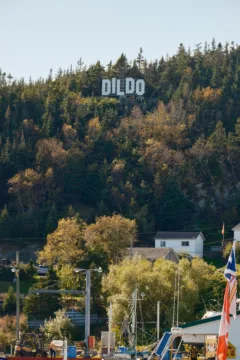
x: 36, y: 35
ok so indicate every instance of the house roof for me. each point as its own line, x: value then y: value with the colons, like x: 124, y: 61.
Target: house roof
x: 152, y: 253
x: 203, y: 321
x: 237, y: 227
x: 175, y: 235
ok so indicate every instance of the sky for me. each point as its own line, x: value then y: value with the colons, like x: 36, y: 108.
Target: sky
x: 39, y: 35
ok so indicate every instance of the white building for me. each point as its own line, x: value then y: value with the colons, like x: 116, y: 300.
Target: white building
x: 181, y: 242
x: 197, y: 331
x: 236, y: 230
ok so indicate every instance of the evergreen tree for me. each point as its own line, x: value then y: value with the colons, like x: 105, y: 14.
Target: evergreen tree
x: 6, y: 152
x: 98, y: 155
x: 9, y: 304
x: 176, y: 210
x: 52, y: 220
x: 30, y: 270
x: 140, y: 59
x: 4, y: 223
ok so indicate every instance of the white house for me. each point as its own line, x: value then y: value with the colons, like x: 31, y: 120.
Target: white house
x: 236, y: 230
x: 181, y: 242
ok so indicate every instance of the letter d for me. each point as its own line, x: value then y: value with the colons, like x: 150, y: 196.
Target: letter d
x: 106, y: 87
x: 129, y: 85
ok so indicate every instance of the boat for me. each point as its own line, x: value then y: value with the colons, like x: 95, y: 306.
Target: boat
x: 130, y: 330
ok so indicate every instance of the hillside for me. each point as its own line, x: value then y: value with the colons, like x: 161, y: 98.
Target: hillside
x: 170, y: 161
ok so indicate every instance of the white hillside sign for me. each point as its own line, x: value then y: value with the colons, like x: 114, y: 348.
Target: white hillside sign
x: 121, y: 87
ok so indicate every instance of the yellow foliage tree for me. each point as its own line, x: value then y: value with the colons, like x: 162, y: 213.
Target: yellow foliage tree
x: 112, y: 234
x: 65, y: 244
x: 27, y: 187
x: 208, y: 94
x: 157, y: 282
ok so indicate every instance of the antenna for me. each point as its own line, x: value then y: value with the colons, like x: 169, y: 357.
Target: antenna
x: 174, y: 299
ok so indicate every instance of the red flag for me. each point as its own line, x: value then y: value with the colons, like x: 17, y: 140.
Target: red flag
x: 229, y: 305
x: 224, y: 327
x: 223, y: 229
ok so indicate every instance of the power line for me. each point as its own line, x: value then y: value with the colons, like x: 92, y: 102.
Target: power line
x: 187, y: 229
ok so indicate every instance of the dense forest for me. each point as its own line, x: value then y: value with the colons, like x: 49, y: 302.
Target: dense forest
x: 169, y: 160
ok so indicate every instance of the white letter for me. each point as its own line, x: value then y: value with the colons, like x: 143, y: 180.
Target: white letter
x: 106, y: 87
x: 129, y: 85
x: 140, y: 87
x: 113, y: 86
x: 119, y: 92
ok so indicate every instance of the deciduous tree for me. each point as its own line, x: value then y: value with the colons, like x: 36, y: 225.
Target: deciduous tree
x: 112, y: 234
x: 58, y: 327
x: 65, y: 245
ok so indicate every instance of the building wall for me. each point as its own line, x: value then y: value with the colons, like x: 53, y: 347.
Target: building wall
x: 236, y: 235
x: 212, y: 328
x: 199, y: 246
x: 176, y: 245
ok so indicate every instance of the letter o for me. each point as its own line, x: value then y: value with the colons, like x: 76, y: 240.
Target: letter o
x: 140, y: 87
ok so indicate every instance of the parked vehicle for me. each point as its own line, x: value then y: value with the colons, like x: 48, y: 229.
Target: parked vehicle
x: 42, y: 269
x: 4, y: 262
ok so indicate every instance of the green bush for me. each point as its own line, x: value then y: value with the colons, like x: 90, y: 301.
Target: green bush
x: 28, y: 272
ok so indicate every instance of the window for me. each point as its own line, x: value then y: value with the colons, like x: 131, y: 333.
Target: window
x: 185, y: 243
x: 162, y: 243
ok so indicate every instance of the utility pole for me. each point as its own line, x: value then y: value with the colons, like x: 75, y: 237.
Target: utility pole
x: 65, y: 348
x: 158, y: 319
x: 109, y: 329
x: 87, y: 311
x: 87, y: 305
x: 17, y: 296
x: 134, y: 318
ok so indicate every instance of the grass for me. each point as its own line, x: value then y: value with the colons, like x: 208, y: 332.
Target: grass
x: 24, y: 286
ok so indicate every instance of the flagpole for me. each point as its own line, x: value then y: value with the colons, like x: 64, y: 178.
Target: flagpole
x: 223, y: 231
x: 223, y: 235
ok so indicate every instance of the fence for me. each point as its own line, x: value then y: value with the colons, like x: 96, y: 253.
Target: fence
x: 35, y: 323
x: 76, y: 317
x: 79, y: 318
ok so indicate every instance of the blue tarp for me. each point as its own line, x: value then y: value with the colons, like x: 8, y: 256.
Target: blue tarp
x: 163, y: 343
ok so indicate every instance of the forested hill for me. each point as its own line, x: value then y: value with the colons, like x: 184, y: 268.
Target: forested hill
x: 170, y: 161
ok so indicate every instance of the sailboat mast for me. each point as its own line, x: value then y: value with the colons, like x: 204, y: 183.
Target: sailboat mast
x: 134, y: 319
x: 178, y: 295
x: 109, y: 329
x: 174, y: 300
x: 158, y: 319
